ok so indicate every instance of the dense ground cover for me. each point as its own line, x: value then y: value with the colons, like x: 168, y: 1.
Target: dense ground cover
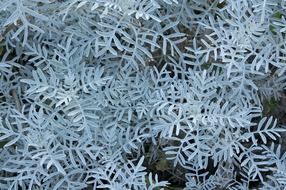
x: 142, y: 94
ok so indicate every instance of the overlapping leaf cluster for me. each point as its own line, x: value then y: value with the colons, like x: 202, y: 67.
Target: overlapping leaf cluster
x: 92, y: 91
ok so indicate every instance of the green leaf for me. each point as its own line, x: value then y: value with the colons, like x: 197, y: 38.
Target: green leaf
x: 278, y: 15
x: 272, y: 29
x: 3, y: 143
x: 162, y: 165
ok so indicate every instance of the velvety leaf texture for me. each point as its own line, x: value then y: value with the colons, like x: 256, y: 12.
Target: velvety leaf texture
x: 142, y: 94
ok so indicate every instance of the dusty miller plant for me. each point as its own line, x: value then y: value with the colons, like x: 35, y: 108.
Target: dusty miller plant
x: 91, y: 91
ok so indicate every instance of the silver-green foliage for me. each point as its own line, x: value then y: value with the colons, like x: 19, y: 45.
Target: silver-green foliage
x: 80, y: 100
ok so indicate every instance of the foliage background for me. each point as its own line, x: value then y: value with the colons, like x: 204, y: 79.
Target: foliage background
x: 142, y: 94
